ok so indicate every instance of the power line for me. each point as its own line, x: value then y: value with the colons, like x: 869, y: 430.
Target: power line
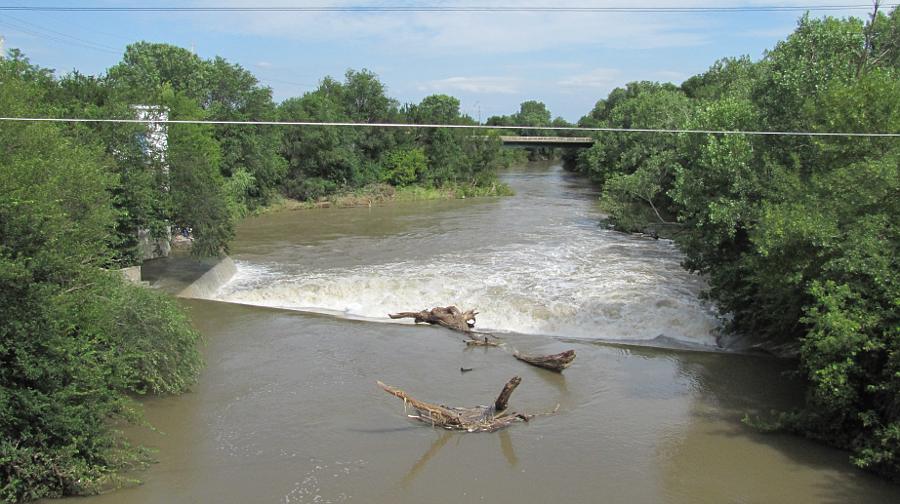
x: 455, y: 126
x: 62, y: 38
x: 93, y: 29
x: 445, y: 8
x: 48, y: 32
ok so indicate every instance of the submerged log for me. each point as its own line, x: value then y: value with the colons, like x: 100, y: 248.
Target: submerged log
x: 555, y: 362
x: 474, y: 341
x: 476, y: 419
x: 450, y: 317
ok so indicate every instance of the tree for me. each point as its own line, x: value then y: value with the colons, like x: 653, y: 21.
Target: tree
x: 532, y: 113
x: 403, y: 167
x: 234, y: 94
x: 149, y: 68
x: 196, y: 186
x: 795, y: 235
x: 437, y: 109
x: 321, y: 158
x: 74, y: 340
x: 225, y: 91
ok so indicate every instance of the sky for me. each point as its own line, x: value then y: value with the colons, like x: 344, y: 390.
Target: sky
x: 491, y: 61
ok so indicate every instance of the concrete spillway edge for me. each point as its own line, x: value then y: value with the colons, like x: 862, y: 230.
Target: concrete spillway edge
x: 207, y: 285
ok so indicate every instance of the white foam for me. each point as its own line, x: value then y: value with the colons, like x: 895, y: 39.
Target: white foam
x: 593, y: 285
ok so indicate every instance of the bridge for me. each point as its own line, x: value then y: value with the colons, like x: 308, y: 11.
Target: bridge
x: 545, y: 141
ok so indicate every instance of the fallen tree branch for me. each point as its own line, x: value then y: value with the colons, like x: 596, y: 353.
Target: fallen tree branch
x: 450, y: 317
x: 503, y: 399
x: 473, y: 341
x: 476, y: 419
x: 555, y: 362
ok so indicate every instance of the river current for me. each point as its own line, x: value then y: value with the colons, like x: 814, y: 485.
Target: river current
x: 536, y: 263
x: 287, y: 409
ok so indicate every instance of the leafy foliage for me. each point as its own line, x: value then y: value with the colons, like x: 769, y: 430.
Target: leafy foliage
x: 797, y: 235
x: 74, y: 339
x: 325, y: 159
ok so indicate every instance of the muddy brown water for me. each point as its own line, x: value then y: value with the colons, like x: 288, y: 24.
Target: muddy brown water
x: 287, y: 409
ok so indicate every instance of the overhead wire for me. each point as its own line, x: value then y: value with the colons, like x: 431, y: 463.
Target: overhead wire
x: 444, y: 8
x: 458, y: 126
x: 60, y: 36
x: 69, y: 40
x: 68, y: 21
x: 37, y: 30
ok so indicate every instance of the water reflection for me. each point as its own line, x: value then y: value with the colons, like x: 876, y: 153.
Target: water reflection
x: 416, y: 468
x: 504, y: 439
x: 507, y: 447
x: 717, y: 456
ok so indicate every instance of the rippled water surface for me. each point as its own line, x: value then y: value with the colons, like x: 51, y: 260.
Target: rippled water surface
x: 535, y: 263
x: 287, y: 409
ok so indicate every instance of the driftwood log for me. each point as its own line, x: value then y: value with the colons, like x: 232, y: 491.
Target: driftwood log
x: 555, y: 362
x: 450, y: 317
x: 475, y: 341
x: 476, y: 419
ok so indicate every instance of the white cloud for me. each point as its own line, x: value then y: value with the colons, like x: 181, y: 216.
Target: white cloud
x: 263, y: 64
x: 488, y: 32
x: 480, y: 85
x: 452, y: 32
x: 602, y: 78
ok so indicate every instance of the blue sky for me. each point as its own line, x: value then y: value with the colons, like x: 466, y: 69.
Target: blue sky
x: 491, y: 61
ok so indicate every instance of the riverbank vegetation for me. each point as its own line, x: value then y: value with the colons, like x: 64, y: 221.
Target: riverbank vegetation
x: 77, y: 342
x: 378, y: 194
x: 798, y: 235
x: 203, y: 177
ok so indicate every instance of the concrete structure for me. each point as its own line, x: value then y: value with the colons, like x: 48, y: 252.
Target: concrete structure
x: 545, y: 141
x: 132, y: 274
x: 154, y: 143
x: 207, y: 285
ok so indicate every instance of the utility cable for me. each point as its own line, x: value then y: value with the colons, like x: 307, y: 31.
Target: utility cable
x: 40, y: 31
x: 60, y: 40
x: 457, y: 126
x: 444, y: 8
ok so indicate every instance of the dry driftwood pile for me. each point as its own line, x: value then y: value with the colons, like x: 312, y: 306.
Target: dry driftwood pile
x: 478, y: 418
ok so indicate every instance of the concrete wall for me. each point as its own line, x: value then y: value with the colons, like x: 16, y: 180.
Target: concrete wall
x: 150, y: 248
x: 207, y: 285
x: 132, y: 274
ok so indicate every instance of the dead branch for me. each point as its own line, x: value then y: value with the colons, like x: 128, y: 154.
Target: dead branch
x: 473, y: 341
x: 476, y: 419
x: 503, y: 399
x: 555, y: 362
x: 450, y: 317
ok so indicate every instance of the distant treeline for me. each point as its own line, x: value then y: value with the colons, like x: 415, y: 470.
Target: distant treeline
x: 219, y: 173
x: 798, y: 236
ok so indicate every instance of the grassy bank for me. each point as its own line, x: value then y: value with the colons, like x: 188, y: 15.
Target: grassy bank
x: 379, y: 194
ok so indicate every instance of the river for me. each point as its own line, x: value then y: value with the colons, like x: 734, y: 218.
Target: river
x: 287, y: 409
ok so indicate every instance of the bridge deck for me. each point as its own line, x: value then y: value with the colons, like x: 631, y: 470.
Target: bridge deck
x: 549, y: 141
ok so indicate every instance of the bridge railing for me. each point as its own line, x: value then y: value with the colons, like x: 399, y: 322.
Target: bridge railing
x: 547, y: 140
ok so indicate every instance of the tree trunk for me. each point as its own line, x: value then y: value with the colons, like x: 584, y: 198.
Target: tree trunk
x: 503, y: 399
x: 555, y: 362
x: 450, y: 317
